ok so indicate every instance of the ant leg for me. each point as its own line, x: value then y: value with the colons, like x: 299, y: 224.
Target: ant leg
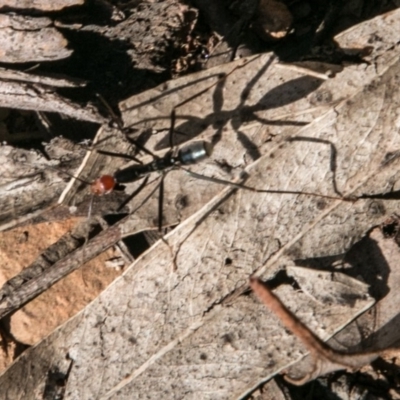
x: 160, y: 203
x: 161, y: 192
x: 114, y: 116
x: 172, y: 128
x: 333, y: 158
x: 119, y: 123
x: 141, y: 147
x: 252, y: 189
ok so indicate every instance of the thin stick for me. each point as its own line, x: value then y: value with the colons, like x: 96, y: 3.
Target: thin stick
x: 291, y: 322
x: 33, y: 287
x: 325, y: 358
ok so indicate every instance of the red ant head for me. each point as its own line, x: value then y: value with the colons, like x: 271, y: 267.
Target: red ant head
x: 103, y: 185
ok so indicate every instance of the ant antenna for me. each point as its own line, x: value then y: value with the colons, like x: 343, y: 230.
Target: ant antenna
x: 114, y: 116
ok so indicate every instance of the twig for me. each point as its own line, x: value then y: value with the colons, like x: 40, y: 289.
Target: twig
x: 37, y: 285
x: 325, y: 359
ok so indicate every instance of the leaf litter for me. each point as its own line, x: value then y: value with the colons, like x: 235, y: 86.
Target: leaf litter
x: 202, y: 247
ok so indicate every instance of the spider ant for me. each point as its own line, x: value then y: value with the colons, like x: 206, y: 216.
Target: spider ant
x: 189, y: 154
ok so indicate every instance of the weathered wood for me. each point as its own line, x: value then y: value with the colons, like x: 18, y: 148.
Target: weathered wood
x: 20, y: 35
x: 12, y: 298
x: 8, y: 74
x: 43, y: 5
x: 43, y: 98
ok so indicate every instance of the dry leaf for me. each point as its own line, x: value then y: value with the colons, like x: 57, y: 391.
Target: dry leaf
x: 377, y: 256
x: 43, y: 5
x: 19, y: 36
x: 189, y: 332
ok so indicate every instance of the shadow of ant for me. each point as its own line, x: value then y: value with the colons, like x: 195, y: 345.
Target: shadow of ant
x: 284, y: 94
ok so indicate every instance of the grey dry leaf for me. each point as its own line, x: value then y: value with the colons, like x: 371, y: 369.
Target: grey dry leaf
x: 189, y: 333
x: 39, y: 97
x: 324, y: 358
x: 43, y: 5
x: 378, y: 257
x: 21, y: 76
x: 19, y: 36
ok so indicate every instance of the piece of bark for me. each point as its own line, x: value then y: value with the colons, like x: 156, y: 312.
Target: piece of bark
x: 42, y: 5
x: 23, y: 192
x: 68, y: 243
x: 30, y: 183
x: 34, y: 321
x: 40, y: 97
x: 19, y: 290
x: 19, y: 36
x: 8, y: 74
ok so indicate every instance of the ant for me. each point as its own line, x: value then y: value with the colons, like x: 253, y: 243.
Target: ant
x: 187, y: 155
x: 190, y: 154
